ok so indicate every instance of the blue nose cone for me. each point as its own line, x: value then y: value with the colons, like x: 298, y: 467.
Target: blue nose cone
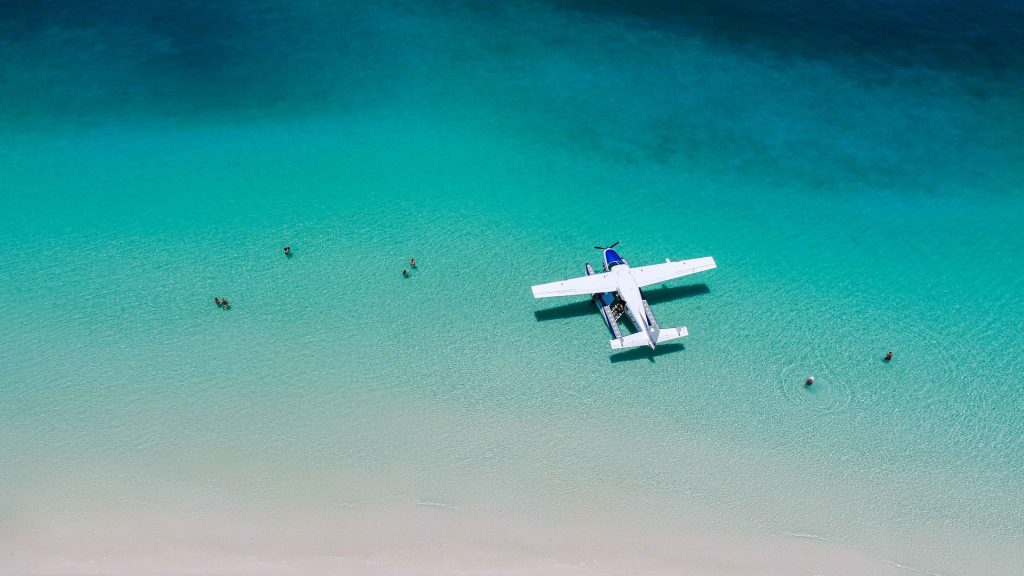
x: 611, y: 257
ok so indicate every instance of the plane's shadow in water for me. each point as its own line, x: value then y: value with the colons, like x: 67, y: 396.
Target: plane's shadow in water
x: 572, y: 310
x: 668, y: 294
x: 653, y: 296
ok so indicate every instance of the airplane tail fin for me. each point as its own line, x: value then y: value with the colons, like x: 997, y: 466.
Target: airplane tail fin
x: 641, y: 339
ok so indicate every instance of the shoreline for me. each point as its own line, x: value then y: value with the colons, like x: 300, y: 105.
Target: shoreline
x: 418, y: 539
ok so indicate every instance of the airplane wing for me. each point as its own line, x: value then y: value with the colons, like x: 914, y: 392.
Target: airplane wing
x: 655, y: 273
x: 574, y: 286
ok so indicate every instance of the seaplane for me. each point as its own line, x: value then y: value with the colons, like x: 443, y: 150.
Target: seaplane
x: 616, y: 290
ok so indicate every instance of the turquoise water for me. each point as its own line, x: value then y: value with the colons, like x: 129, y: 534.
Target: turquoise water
x: 860, y: 190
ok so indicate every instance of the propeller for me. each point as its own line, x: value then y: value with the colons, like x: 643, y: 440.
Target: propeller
x: 608, y: 247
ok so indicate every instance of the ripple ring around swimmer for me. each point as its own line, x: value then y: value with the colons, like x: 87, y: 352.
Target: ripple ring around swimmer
x: 828, y: 395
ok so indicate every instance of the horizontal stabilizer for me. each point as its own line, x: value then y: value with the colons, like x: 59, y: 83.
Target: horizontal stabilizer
x: 631, y: 341
x: 667, y: 334
x: 641, y: 339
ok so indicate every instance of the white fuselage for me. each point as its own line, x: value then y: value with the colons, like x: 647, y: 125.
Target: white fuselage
x: 630, y: 294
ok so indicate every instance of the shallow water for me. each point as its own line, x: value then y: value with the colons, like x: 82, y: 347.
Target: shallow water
x: 859, y: 196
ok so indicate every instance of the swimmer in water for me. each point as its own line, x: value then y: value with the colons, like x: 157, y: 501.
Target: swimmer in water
x: 224, y: 303
x: 888, y: 356
x: 216, y: 300
x: 412, y: 262
x: 287, y: 250
x: 809, y: 381
x: 405, y: 273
